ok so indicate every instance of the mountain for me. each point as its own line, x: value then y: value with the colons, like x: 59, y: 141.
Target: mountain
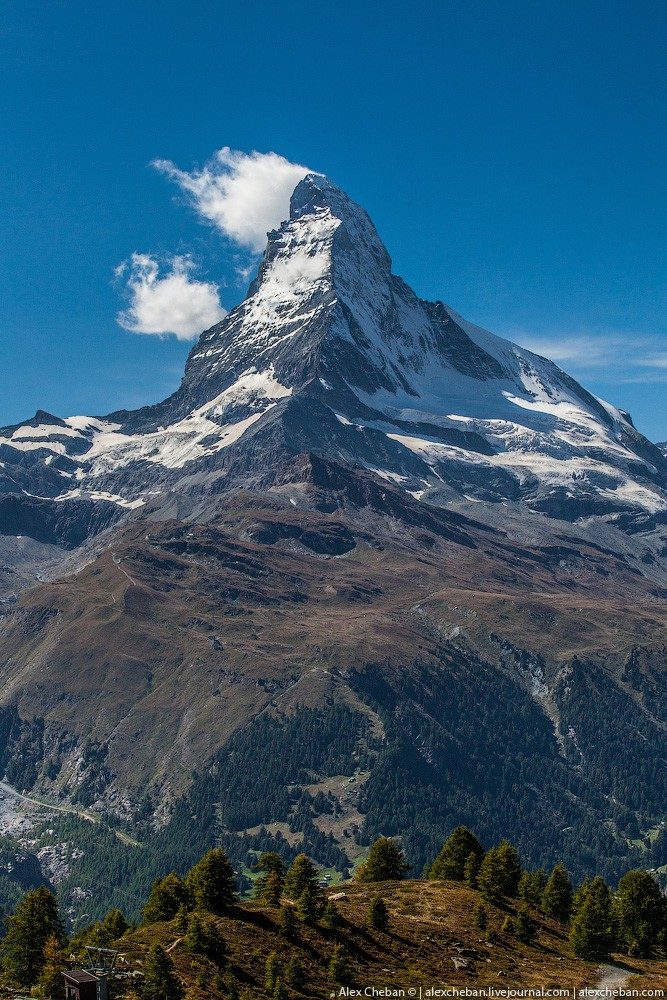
x: 370, y: 569
x: 330, y: 353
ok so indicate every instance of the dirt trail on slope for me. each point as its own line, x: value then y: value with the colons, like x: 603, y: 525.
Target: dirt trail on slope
x: 611, y: 977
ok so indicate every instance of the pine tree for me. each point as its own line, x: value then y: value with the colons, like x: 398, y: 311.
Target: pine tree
x: 500, y: 872
x: 377, y: 915
x: 203, y: 937
x: 194, y: 939
x: 455, y: 854
x: 160, y: 982
x: 50, y: 984
x: 531, y: 887
x: 641, y: 913
x: 557, y: 897
x: 182, y: 919
x: 491, y: 877
x: 309, y: 905
x: 509, y: 857
x: 339, y: 966
x: 591, y: 931
x: 230, y: 988
x: 480, y: 916
x: 331, y: 917
x: 212, y: 882
x: 272, y: 972
x: 165, y: 899
x: 301, y: 874
x: 295, y: 974
x: 269, y: 886
x: 287, y: 922
x: 471, y: 869
x: 385, y: 862
x: 524, y: 926
x: 579, y: 894
x: 115, y: 923
x: 271, y: 889
x: 35, y: 920
x: 103, y: 933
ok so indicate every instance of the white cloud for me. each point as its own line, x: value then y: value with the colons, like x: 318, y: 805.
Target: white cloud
x: 590, y: 350
x: 656, y: 361
x: 614, y: 353
x: 173, y: 303
x: 243, y: 194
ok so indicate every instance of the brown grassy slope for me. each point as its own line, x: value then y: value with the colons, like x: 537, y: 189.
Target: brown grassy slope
x: 431, y: 933
x: 179, y: 634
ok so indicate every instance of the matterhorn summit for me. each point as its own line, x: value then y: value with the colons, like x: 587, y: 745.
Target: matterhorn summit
x: 332, y: 355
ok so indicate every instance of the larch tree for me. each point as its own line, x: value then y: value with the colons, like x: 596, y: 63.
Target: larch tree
x: 455, y: 854
x: 385, y: 862
x: 557, y: 896
x: 35, y: 921
x: 212, y: 883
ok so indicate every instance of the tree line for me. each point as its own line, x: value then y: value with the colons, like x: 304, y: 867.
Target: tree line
x: 631, y: 918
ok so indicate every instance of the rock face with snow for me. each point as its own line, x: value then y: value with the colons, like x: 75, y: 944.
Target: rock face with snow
x: 331, y: 354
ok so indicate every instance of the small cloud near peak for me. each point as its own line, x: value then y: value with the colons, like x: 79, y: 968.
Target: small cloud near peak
x: 170, y: 303
x: 243, y: 194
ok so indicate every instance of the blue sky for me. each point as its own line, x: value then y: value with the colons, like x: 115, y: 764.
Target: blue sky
x: 512, y: 157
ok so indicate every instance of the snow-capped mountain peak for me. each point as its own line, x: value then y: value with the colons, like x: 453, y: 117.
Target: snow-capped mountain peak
x: 331, y: 353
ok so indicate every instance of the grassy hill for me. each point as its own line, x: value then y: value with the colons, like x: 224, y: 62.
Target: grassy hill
x: 431, y: 942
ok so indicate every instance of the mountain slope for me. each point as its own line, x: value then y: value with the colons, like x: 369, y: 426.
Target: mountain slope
x: 521, y: 687
x: 431, y: 940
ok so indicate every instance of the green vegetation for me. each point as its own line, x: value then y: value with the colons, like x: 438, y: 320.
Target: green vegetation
x: 592, y: 930
x: 295, y: 974
x: 212, y: 883
x: 301, y: 876
x: 166, y: 898
x: 408, y: 793
x: 203, y: 937
x: 198, y: 915
x: 287, y: 922
x: 500, y: 872
x: 460, y: 857
x: 339, y: 966
x: 480, y: 916
x: 269, y: 886
x: 531, y: 886
x: 639, y: 909
x: 517, y: 781
x: 309, y: 905
x: 385, y: 862
x: 272, y: 972
x: 34, y: 924
x: 330, y: 916
x: 102, y: 933
x: 378, y: 915
x: 159, y: 980
x: 557, y: 897
x: 50, y: 984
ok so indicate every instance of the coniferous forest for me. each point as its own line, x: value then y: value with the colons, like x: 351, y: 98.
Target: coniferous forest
x: 290, y: 934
